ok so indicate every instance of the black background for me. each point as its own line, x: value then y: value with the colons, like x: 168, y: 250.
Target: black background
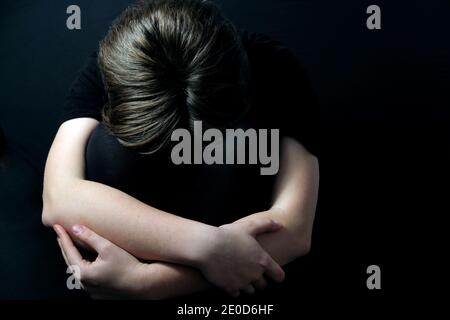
x: 384, y: 97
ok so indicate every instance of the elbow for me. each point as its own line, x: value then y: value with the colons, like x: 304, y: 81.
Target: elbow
x: 48, y: 212
x: 57, y: 199
x: 303, y: 247
x: 52, y: 205
x: 47, y: 217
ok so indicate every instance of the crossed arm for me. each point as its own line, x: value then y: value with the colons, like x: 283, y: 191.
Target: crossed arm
x: 187, y: 250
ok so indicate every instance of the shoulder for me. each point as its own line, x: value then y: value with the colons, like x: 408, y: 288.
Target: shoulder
x: 275, y: 70
x: 281, y: 93
x: 272, y: 64
x: 87, y: 94
x: 261, y: 48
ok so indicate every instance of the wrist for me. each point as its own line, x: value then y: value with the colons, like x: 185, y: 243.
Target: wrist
x: 201, y: 250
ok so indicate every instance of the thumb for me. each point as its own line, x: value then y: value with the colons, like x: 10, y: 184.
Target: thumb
x: 263, y: 225
x: 92, y: 239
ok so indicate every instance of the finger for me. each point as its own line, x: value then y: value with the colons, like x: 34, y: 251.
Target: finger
x: 71, y: 253
x: 249, y: 289
x: 260, y: 284
x: 263, y: 225
x: 91, y: 238
x: 274, y: 270
x: 62, y: 251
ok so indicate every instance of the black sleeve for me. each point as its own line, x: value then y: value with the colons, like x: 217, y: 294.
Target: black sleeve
x: 283, y: 93
x: 87, y: 95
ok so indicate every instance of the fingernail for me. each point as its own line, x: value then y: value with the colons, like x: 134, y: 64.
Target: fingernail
x: 77, y: 229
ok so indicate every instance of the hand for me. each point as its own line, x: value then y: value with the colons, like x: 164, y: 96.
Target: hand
x: 115, y: 272
x: 235, y: 261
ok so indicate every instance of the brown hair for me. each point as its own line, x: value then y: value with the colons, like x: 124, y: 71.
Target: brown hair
x: 167, y: 63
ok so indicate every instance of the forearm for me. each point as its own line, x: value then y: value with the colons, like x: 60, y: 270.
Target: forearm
x: 69, y: 199
x: 294, y: 207
x: 294, y: 204
x: 287, y: 244
x: 144, y: 231
x: 160, y: 280
x: 164, y: 280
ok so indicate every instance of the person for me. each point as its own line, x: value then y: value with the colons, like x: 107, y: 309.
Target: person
x: 163, y: 230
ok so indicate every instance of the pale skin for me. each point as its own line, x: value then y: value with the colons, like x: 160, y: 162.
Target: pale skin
x: 191, y: 256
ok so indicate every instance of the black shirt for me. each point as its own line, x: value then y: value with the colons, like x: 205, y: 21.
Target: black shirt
x: 281, y: 94
x: 281, y: 98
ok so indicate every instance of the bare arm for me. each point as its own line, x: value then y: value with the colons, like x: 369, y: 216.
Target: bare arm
x: 294, y: 204
x: 294, y: 207
x: 229, y: 256
x: 144, y: 231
